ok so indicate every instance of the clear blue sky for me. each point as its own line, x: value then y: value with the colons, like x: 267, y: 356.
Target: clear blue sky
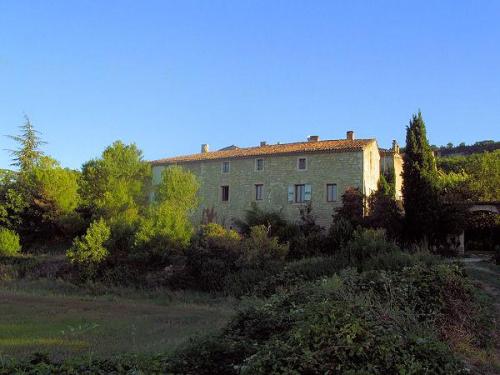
x: 170, y: 75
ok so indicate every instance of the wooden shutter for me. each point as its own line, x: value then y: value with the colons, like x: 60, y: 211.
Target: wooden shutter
x: 307, y: 193
x: 291, y: 193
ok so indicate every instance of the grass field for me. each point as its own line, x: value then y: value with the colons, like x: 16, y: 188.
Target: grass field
x: 55, y: 318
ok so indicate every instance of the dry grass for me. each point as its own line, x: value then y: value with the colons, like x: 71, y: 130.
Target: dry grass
x: 487, y: 275
x: 69, y: 325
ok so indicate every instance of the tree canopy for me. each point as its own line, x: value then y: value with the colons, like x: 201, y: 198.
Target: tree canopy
x: 419, y: 182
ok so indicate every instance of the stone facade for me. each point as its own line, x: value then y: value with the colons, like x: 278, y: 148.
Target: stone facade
x: 392, y: 160
x: 347, y: 167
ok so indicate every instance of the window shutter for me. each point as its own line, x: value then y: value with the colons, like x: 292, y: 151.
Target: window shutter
x: 307, y: 193
x: 291, y: 194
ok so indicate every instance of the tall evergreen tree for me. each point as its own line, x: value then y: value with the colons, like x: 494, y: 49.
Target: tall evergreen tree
x: 420, y: 198
x: 384, y: 211
x: 28, y: 153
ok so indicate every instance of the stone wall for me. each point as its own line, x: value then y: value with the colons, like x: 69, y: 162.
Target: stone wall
x: 346, y: 169
x: 394, y: 160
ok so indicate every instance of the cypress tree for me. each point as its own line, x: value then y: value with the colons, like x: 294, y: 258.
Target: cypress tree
x: 420, y: 196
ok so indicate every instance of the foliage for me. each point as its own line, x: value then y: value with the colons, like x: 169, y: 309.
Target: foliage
x: 260, y: 247
x: 340, y: 232
x: 215, y: 236
x: 476, y: 176
x: 50, y: 193
x: 116, y: 187
x: 367, y: 244
x: 304, y: 245
x: 376, y: 322
x: 178, y: 186
x: 352, y: 208
x: 222, y: 261
x: 278, y: 226
x: 89, y: 250
x: 420, y: 194
x: 463, y: 149
x: 28, y: 153
x: 167, y: 223
x: 384, y: 211
x: 12, y: 202
x: 9, y: 242
x: 485, y: 176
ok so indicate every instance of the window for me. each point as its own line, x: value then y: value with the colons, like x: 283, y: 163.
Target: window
x: 225, y: 193
x: 258, y: 192
x: 225, y: 167
x: 331, y: 192
x: 259, y: 164
x: 300, y: 193
x: 302, y: 164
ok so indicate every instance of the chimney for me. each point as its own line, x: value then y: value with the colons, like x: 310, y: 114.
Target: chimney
x: 204, y: 148
x: 263, y: 143
x: 350, y: 135
x: 395, y: 146
x: 313, y: 138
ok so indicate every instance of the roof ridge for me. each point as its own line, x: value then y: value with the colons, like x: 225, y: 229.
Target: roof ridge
x: 332, y: 145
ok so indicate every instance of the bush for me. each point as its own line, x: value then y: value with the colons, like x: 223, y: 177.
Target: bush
x: 297, y: 273
x: 397, y: 260
x: 340, y: 232
x: 206, y: 268
x: 246, y: 280
x: 277, y: 224
x: 354, y: 323
x: 9, y: 242
x: 367, y: 244
x: 89, y: 250
x: 313, y: 244
x: 260, y: 247
x: 215, y: 236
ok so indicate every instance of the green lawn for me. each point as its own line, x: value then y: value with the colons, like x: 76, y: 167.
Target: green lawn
x: 56, y: 319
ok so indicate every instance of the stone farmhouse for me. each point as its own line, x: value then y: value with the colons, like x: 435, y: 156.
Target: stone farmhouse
x: 285, y: 177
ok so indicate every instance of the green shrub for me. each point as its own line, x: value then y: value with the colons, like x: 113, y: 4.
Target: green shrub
x: 367, y: 244
x: 277, y: 224
x: 397, y: 260
x: 89, y: 250
x: 9, y: 242
x: 247, y: 279
x: 215, y: 236
x: 297, y: 273
x: 260, y: 247
x: 207, y: 268
x: 340, y: 232
x: 310, y: 245
x: 375, y: 322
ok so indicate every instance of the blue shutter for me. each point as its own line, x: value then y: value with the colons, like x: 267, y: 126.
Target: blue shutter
x: 291, y: 194
x: 307, y: 193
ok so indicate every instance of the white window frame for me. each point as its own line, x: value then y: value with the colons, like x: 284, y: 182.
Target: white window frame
x: 228, y: 166
x: 257, y: 164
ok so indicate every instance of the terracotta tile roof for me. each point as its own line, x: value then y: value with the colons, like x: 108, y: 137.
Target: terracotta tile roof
x: 385, y: 151
x: 341, y: 145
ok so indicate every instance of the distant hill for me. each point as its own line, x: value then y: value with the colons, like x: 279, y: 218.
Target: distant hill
x: 463, y: 149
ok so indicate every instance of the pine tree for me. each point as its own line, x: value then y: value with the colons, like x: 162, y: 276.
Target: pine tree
x: 28, y: 153
x: 420, y: 198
